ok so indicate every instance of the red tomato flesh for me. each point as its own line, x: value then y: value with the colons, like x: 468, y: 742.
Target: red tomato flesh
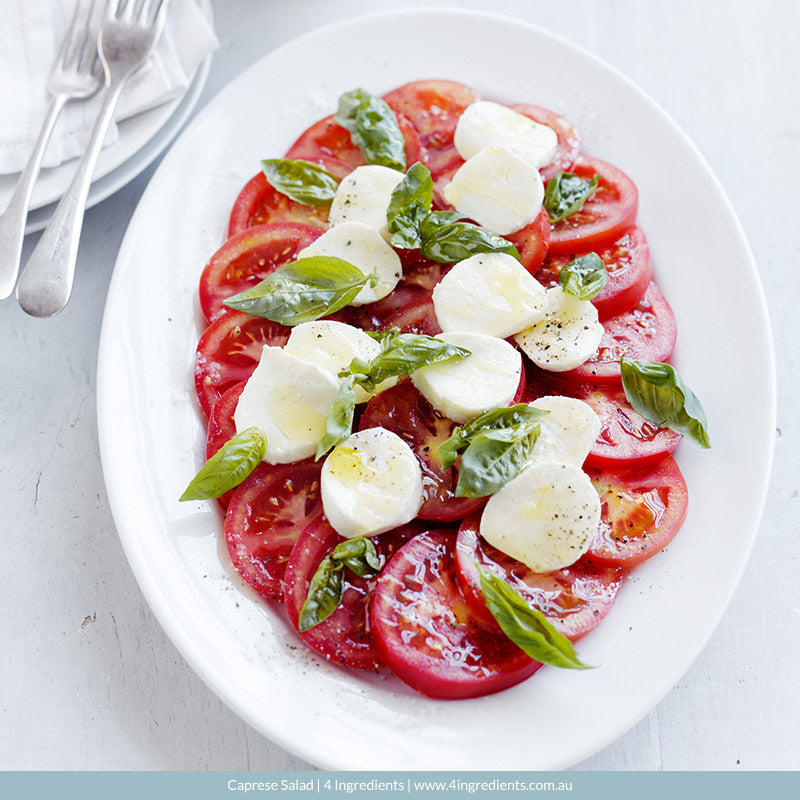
x: 425, y: 632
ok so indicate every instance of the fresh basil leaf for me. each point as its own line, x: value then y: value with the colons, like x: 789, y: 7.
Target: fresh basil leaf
x: 228, y: 467
x: 447, y: 241
x: 303, y: 290
x: 404, y: 353
x: 324, y: 594
x: 657, y: 392
x: 339, y: 424
x: 584, y: 277
x: 300, y: 180
x: 373, y: 128
x: 527, y: 627
x: 493, y: 459
x: 359, y: 556
x: 566, y: 193
x: 409, y: 205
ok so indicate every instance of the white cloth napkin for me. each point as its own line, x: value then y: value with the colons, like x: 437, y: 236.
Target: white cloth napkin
x: 30, y: 37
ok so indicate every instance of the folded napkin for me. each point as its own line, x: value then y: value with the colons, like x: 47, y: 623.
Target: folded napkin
x: 31, y: 35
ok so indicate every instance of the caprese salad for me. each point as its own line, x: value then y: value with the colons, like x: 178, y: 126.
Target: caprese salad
x: 440, y: 413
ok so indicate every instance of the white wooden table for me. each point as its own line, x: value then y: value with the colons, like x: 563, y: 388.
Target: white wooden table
x: 88, y: 680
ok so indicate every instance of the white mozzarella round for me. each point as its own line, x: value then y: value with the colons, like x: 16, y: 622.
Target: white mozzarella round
x: 371, y: 483
x: 568, y: 335
x: 546, y: 517
x: 333, y: 345
x: 567, y: 432
x: 484, y: 124
x: 489, y: 293
x: 364, y: 248
x: 289, y: 400
x: 487, y: 378
x: 363, y: 196
x: 498, y: 189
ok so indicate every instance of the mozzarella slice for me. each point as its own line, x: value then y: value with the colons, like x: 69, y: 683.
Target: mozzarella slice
x: 487, y: 378
x: 370, y: 483
x: 498, y: 189
x: 489, y: 293
x: 333, y: 345
x: 364, y: 248
x: 288, y: 399
x: 484, y: 124
x: 568, y: 335
x: 567, y: 432
x: 363, y: 196
x: 546, y: 517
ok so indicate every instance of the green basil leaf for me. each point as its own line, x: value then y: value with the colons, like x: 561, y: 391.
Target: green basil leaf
x: 657, y: 392
x: 527, y: 627
x: 228, y: 467
x: 324, y: 594
x: 300, y: 180
x: 409, y: 205
x: 566, y: 193
x: 303, y: 290
x: 339, y: 424
x: 447, y: 241
x: 373, y: 128
x: 584, y: 277
x: 404, y: 353
x: 359, y: 556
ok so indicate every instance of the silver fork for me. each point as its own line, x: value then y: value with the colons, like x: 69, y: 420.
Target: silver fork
x: 75, y: 76
x: 128, y: 35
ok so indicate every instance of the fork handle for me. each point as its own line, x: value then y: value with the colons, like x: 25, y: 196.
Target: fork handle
x: 12, y: 222
x: 46, y: 282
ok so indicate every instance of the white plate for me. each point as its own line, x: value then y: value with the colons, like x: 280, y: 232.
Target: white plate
x: 141, y: 139
x: 151, y: 434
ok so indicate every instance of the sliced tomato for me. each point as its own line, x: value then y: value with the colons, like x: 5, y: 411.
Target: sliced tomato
x: 416, y: 315
x: 247, y: 258
x: 327, y: 139
x: 645, y: 332
x: 424, y: 630
x: 629, y: 272
x: 605, y: 216
x: 642, y: 510
x: 228, y: 352
x: 569, y: 140
x: 344, y: 637
x: 433, y: 108
x: 532, y: 242
x: 221, y: 428
x: 574, y: 599
x: 265, y: 515
x: 403, y: 410
x: 259, y: 203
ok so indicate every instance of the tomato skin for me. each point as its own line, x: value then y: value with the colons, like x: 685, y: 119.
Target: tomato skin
x: 228, y: 352
x: 265, y: 515
x: 642, y: 511
x: 605, y: 216
x: 532, y: 242
x: 574, y: 599
x: 221, y: 428
x: 247, y: 258
x: 629, y: 268
x: 423, y: 629
x: 344, y: 637
x: 645, y: 332
x: 569, y: 140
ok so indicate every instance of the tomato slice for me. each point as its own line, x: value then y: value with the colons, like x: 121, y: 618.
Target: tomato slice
x: 569, y: 140
x: 266, y: 514
x: 344, y: 637
x: 415, y: 315
x: 228, y: 352
x: 247, y: 258
x: 629, y: 272
x: 532, y: 242
x: 605, y: 216
x: 643, y: 510
x: 574, y: 599
x: 221, y: 428
x: 327, y: 139
x: 645, y: 332
x: 424, y: 630
x: 433, y: 108
x: 403, y: 410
